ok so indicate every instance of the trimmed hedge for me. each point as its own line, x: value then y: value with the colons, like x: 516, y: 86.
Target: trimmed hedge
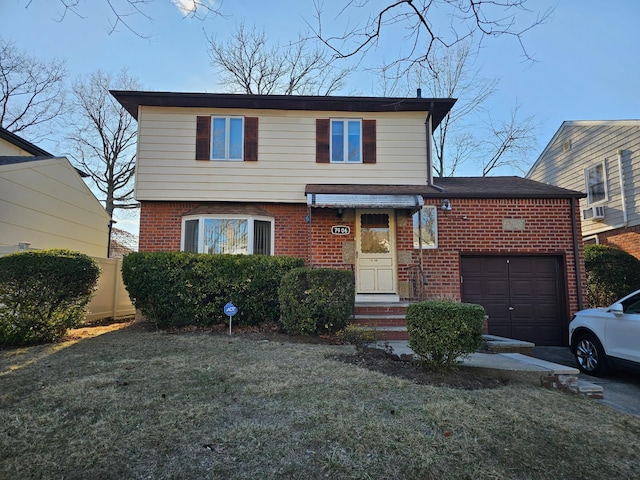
x: 315, y: 301
x: 43, y: 294
x: 612, y: 274
x: 176, y: 289
x: 440, y: 331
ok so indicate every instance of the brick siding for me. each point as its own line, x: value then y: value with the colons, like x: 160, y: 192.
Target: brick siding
x: 473, y: 226
x: 626, y: 238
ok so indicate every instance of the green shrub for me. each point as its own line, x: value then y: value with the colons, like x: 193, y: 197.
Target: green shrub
x: 612, y: 274
x: 43, y: 294
x: 440, y: 331
x: 176, y: 289
x: 358, y: 336
x: 315, y: 301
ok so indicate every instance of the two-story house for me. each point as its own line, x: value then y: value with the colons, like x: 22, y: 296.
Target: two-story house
x: 602, y: 159
x: 345, y: 182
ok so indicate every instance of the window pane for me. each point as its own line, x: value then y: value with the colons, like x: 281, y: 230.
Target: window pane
x: 427, y: 218
x: 235, y: 138
x: 218, y: 138
x: 225, y: 236
x: 337, y: 141
x: 374, y: 233
x: 595, y: 185
x: 354, y: 141
x: 262, y: 237
x: 191, y: 236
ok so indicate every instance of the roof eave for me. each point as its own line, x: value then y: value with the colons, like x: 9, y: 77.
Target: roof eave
x: 132, y: 100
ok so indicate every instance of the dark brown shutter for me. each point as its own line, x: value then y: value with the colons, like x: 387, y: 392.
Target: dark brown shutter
x: 203, y: 138
x: 368, y: 141
x: 251, y: 139
x: 322, y: 140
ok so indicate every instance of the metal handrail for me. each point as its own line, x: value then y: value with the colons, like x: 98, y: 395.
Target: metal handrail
x: 419, y: 280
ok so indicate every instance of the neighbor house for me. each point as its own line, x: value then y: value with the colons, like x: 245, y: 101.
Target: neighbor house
x: 44, y: 203
x: 345, y: 182
x: 601, y: 158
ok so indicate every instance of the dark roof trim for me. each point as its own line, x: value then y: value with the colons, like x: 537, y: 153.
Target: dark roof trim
x: 131, y: 100
x: 456, y: 187
x: 22, y: 143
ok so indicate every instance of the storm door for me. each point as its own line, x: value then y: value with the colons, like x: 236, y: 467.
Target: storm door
x: 375, y: 251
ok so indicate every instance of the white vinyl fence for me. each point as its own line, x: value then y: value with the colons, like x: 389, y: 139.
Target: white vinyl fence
x: 111, y: 299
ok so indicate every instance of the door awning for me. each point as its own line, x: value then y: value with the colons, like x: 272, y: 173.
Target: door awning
x: 331, y: 200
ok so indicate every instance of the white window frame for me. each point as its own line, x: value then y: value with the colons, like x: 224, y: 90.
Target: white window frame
x: 590, y: 200
x: 345, y: 147
x: 227, y: 139
x: 427, y: 246
x: 250, y: 229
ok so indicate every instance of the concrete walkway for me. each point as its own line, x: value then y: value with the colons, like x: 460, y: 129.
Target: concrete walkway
x: 516, y: 366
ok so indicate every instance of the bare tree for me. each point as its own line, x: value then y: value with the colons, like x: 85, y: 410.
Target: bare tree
x: 31, y: 91
x: 426, y: 25
x: 247, y: 63
x: 508, y: 143
x: 467, y: 133
x: 122, y: 243
x: 104, y: 136
x: 123, y: 12
x: 452, y: 75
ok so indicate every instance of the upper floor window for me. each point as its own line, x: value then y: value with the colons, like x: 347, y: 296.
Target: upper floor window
x: 346, y: 141
x: 226, y: 138
x: 231, y: 235
x: 596, y: 183
x: 425, y: 227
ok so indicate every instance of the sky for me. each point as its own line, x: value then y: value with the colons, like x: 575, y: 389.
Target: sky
x: 586, y: 54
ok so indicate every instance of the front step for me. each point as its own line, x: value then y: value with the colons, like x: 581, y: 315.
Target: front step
x: 389, y: 319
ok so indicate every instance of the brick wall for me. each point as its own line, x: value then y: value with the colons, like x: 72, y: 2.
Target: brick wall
x: 476, y: 227
x: 626, y: 238
x: 161, y: 224
x: 471, y: 227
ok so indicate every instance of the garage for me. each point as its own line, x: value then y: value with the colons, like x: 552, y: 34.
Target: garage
x: 522, y: 294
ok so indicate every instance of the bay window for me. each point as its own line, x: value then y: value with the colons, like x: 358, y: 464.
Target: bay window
x: 230, y: 235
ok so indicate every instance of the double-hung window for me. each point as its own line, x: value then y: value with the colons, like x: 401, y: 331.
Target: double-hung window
x: 227, y: 138
x: 346, y: 141
x: 596, y: 183
x: 230, y: 235
x: 425, y: 227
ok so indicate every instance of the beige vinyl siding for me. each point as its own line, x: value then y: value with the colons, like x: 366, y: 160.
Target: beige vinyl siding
x: 47, y: 204
x: 167, y: 169
x: 8, y: 149
x: 592, y: 143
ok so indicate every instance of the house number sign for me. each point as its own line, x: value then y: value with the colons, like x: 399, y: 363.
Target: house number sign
x: 340, y: 230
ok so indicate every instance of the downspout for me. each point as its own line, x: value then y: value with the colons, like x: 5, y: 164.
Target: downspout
x: 576, y: 250
x: 625, y: 215
x: 429, y: 130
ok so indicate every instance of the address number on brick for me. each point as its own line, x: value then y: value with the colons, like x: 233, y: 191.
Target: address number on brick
x: 340, y: 230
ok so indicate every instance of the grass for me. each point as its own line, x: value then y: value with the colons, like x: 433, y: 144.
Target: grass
x: 134, y: 404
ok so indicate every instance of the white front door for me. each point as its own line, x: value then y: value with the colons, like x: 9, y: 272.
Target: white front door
x: 375, y: 251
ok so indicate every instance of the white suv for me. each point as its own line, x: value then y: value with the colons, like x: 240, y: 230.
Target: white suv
x: 605, y: 338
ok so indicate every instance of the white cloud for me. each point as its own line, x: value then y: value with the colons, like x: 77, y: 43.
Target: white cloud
x: 188, y: 7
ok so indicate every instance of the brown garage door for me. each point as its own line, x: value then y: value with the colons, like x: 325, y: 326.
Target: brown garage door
x: 523, y: 295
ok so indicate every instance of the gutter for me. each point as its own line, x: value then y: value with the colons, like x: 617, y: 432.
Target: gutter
x: 625, y: 215
x: 429, y: 130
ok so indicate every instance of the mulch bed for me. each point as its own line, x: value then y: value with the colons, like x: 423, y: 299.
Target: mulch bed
x: 457, y: 377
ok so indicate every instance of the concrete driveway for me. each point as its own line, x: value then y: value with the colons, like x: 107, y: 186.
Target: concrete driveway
x: 621, y: 388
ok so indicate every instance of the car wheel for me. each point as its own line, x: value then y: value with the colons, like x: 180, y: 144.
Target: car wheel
x: 590, y: 355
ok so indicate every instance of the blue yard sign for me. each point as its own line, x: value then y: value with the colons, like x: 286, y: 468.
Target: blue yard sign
x: 230, y: 310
